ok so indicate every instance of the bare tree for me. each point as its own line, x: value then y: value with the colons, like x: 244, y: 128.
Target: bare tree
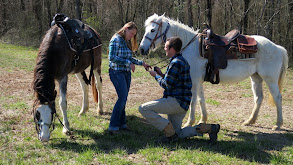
x: 209, y: 12
x: 78, y: 9
x: 245, y: 18
x: 190, y: 14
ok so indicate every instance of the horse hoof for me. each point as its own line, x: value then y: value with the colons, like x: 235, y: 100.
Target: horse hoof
x: 187, y: 125
x: 276, y: 128
x: 100, y: 113
x: 81, y: 114
x: 201, y: 121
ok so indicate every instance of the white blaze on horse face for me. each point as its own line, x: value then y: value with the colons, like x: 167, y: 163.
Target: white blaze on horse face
x: 149, y: 36
x: 45, y: 117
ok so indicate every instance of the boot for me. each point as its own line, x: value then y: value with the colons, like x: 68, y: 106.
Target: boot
x: 170, y: 135
x: 211, y: 129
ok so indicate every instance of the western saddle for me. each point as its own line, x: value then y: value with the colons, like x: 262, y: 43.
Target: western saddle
x: 218, y: 49
x: 79, y: 39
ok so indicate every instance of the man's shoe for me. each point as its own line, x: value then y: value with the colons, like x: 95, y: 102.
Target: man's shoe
x: 213, y: 134
x: 211, y: 129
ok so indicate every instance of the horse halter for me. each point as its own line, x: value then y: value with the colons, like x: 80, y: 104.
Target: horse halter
x: 39, y: 123
x: 162, y: 35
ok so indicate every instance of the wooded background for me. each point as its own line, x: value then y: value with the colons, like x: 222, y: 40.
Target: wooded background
x: 24, y: 22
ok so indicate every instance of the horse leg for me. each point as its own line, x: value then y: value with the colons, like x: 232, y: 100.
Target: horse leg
x: 201, y: 100
x: 274, y: 89
x: 98, y: 82
x: 256, y: 86
x: 85, y: 91
x: 191, y: 117
x: 63, y: 102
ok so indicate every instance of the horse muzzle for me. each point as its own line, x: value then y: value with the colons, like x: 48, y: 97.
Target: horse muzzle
x: 44, y: 134
x: 144, y: 51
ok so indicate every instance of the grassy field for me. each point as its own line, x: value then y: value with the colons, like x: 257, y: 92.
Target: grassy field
x: 228, y: 105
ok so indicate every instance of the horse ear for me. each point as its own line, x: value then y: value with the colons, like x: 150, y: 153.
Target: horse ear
x: 163, y: 15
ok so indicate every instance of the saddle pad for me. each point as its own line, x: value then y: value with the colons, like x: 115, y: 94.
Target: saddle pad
x: 247, y: 45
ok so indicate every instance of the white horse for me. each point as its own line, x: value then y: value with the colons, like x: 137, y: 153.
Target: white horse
x: 269, y: 65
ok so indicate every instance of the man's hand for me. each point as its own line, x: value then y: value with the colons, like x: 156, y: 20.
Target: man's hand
x: 158, y: 70
x: 153, y: 73
x: 146, y: 66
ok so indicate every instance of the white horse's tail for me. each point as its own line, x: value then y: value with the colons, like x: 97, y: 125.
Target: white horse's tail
x: 281, y: 76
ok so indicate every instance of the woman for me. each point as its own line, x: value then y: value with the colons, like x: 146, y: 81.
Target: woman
x: 121, y: 62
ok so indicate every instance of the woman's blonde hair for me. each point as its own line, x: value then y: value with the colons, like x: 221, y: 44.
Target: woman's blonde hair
x: 133, y: 42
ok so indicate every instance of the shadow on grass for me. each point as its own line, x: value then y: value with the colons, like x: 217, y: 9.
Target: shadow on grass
x: 248, y: 146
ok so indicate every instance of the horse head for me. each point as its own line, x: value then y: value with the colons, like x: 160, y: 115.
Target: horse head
x: 156, y: 28
x: 43, y: 117
x: 44, y: 105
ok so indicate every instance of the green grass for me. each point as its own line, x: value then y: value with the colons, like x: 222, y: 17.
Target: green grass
x: 93, y: 145
x: 212, y: 102
x: 17, y: 57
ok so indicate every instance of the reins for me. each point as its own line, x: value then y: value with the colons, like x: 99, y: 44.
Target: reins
x: 53, y: 113
x: 193, y: 39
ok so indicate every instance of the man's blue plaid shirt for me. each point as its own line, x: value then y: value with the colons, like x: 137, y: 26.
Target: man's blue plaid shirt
x: 177, y: 81
x: 120, y: 56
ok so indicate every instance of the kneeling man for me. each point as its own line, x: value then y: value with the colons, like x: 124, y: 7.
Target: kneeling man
x: 176, y: 100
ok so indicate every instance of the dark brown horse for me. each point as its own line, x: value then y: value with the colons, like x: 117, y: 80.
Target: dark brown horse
x: 55, y: 60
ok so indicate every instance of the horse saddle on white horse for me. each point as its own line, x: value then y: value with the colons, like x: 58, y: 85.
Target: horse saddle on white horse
x: 218, y: 49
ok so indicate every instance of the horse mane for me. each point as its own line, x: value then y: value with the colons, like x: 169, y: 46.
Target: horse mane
x: 43, y: 82
x: 186, y: 34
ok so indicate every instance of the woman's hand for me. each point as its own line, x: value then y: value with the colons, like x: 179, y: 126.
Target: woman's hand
x: 132, y: 66
x: 146, y: 66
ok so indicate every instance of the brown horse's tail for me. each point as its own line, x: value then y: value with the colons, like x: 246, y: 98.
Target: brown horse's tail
x: 94, y: 88
x: 281, y: 76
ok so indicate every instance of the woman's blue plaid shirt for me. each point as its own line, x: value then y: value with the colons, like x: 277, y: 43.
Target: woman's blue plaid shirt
x: 120, y: 56
x: 177, y: 81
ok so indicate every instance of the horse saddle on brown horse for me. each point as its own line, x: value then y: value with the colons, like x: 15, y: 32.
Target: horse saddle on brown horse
x: 218, y: 49
x: 79, y: 39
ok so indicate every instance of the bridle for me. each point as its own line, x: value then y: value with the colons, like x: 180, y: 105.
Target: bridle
x: 39, y: 123
x: 161, y: 35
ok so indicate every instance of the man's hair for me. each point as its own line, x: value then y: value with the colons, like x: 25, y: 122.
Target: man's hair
x: 176, y: 43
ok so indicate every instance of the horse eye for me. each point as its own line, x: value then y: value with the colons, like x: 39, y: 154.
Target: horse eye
x: 153, y: 30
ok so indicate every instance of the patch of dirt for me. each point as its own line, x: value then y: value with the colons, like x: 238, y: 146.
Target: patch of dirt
x: 235, y: 102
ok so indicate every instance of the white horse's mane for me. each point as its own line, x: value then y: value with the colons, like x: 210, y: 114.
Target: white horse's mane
x: 177, y: 26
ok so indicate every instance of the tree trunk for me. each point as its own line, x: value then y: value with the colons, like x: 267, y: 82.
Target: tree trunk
x: 60, y: 6
x: 120, y: 6
x: 190, y: 14
x: 78, y: 10
x: 245, y: 18
x: 268, y: 19
x: 180, y: 13
x: 209, y: 13
x: 38, y: 16
x: 49, y: 13
x: 289, y: 30
x: 3, y: 17
x: 198, y: 14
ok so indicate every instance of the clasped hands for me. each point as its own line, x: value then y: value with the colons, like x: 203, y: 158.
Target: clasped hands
x: 153, y: 73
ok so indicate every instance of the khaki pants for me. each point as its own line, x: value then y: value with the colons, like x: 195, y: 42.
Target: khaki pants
x: 169, y: 106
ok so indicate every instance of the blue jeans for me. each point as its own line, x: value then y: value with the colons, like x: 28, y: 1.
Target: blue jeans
x: 121, y: 81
